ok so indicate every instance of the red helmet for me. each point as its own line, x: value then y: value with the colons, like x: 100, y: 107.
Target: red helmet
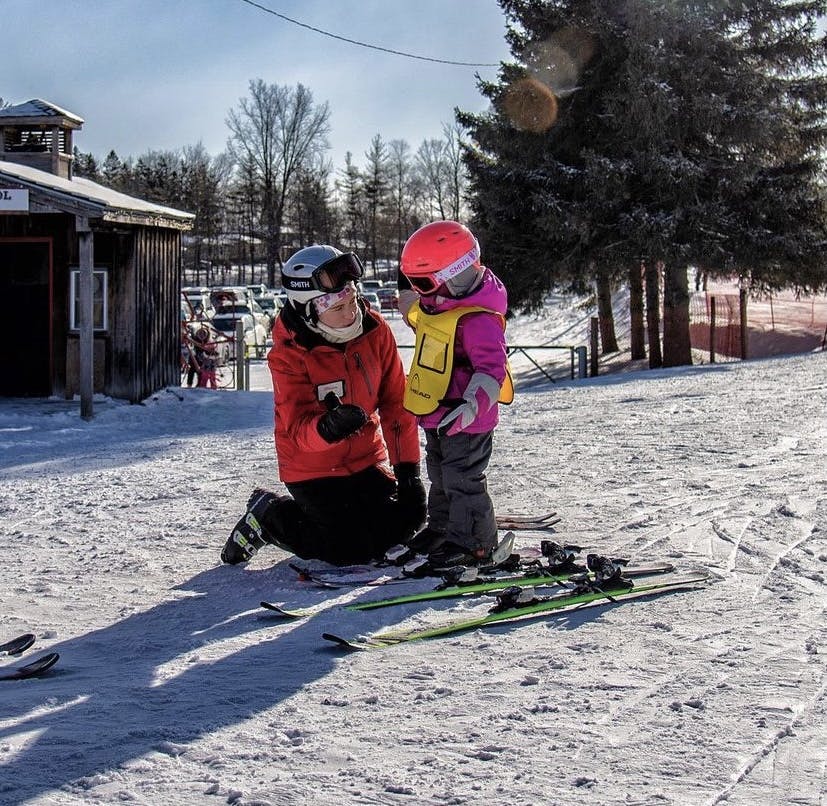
x: 436, y: 254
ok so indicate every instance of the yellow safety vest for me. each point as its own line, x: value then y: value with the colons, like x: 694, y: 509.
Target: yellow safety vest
x: 430, y: 371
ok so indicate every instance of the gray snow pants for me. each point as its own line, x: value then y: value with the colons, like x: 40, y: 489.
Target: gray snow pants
x: 458, y: 500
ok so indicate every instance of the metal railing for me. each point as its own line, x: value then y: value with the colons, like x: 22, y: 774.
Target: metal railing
x: 577, y: 357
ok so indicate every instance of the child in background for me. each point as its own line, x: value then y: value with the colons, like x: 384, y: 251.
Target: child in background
x: 454, y: 385
x: 206, y: 358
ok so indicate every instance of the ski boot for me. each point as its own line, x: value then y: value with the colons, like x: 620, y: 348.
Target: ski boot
x: 248, y: 535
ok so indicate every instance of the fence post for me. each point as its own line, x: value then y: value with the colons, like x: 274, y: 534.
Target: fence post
x: 582, y: 368
x: 743, y: 300
x: 239, y: 355
x: 712, y: 329
x: 593, y: 346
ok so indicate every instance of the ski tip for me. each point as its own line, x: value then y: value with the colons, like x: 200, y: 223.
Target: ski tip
x: 283, y: 612
x: 33, y: 669
x: 352, y: 644
x: 19, y: 644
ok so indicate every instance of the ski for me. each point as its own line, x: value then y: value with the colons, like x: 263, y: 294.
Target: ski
x: 537, y: 607
x: 528, y: 523
x: 374, y: 574
x: 529, y: 526
x: 501, y: 583
x: 337, y: 577
x: 290, y: 613
x: 33, y: 669
x: 530, y: 578
x: 515, y: 518
x: 17, y: 645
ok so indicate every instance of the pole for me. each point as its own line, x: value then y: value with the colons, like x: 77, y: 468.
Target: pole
x: 743, y: 305
x: 239, y: 355
x: 86, y: 340
x: 593, y: 346
x: 712, y: 330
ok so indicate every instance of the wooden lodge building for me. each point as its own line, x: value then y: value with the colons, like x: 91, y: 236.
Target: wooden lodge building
x: 89, y: 278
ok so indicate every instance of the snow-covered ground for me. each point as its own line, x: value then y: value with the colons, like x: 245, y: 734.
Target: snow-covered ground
x: 173, y: 687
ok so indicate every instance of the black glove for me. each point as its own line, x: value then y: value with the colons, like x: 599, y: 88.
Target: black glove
x: 341, y: 419
x: 410, y: 492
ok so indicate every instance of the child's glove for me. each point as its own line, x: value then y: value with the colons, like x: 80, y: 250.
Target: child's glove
x: 480, y: 395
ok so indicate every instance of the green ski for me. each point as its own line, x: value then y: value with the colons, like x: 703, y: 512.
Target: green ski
x: 539, y: 607
x: 476, y: 588
x: 501, y: 584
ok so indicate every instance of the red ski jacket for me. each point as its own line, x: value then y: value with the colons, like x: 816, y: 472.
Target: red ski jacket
x: 366, y: 371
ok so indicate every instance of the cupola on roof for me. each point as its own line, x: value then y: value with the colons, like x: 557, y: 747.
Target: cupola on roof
x: 36, y: 110
x: 38, y: 134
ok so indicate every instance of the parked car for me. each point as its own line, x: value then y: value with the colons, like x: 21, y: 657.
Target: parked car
x: 370, y: 285
x: 388, y: 298
x: 372, y: 300
x: 270, y: 305
x: 258, y: 290
x: 223, y: 295
x: 198, y: 297
x: 255, y: 332
x: 251, y: 307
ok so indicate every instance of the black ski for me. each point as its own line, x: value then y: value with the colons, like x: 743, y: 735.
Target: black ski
x: 33, y: 669
x: 17, y: 645
x: 528, y: 523
x: 515, y: 518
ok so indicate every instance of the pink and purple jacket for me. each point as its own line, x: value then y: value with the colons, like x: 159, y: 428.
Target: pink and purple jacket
x: 479, y: 346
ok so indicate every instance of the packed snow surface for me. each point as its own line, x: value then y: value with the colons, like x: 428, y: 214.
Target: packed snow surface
x: 174, y: 687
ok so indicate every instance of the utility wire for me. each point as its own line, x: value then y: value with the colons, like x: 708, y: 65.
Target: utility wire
x: 365, y: 44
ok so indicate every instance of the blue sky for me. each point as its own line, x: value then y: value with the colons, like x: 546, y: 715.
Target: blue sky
x: 163, y: 74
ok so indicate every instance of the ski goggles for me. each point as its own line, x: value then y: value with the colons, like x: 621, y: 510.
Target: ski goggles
x: 334, y: 274
x: 429, y: 283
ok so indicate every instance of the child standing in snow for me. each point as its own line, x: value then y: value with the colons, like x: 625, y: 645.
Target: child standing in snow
x: 206, y: 358
x: 458, y: 375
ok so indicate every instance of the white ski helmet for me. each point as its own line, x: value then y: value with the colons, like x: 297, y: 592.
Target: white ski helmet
x: 316, y: 271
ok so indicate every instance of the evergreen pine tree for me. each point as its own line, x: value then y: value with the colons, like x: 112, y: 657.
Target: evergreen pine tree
x: 683, y: 133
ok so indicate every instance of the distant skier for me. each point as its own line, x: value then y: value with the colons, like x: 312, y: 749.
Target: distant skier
x: 337, y: 378
x: 458, y: 375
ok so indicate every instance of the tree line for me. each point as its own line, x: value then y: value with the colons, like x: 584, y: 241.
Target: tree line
x: 624, y: 144
x: 274, y: 189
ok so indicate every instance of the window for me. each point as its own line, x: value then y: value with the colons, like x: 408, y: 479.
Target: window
x: 100, y: 309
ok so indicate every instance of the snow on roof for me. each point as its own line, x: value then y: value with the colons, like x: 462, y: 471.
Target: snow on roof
x: 38, y: 108
x: 114, y: 206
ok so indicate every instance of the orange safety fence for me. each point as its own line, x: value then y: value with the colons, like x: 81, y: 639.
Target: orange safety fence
x: 776, y: 324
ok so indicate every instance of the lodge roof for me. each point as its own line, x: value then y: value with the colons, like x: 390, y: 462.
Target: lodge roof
x: 79, y: 196
x: 39, y: 111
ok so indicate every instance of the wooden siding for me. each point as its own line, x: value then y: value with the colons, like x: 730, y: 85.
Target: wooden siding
x: 154, y: 268
x: 139, y: 353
